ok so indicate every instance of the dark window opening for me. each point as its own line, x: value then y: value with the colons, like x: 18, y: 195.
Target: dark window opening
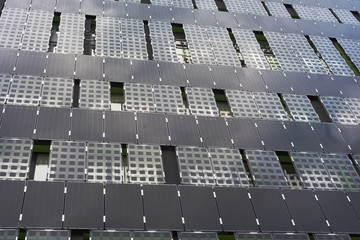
x: 22, y: 234
x: 171, y: 169
x: 292, y: 11
x: 285, y: 106
x: 356, y: 15
x: 80, y: 234
x: 185, y: 101
x: 125, y: 161
x: 336, y: 16
x: 40, y: 160
x: 146, y: 1
x: 247, y: 168
x: 89, y: 34
x: 355, y: 164
x: 76, y: 93
x: 266, y: 8
x: 226, y: 236
x: 54, y: 31
x: 222, y: 103
x: 194, y: 4
x: 117, y: 96
x: 289, y: 170
x: 319, y: 109
x: 236, y: 46
x: 148, y: 41
x: 221, y: 5
x: 182, y: 49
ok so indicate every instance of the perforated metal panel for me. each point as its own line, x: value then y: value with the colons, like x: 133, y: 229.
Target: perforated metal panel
x: 151, y: 235
x: 8, y: 234
x: 228, y: 167
x: 201, y: 101
x: 108, y: 37
x: 206, y: 4
x: 168, y: 99
x: 94, y: 94
x: 145, y: 164
x: 70, y: 43
x: 339, y: 110
x: 47, y: 235
x: 354, y: 105
x: 35, y: 40
x: 332, y: 237
x: 270, y: 106
x: 242, y: 104
x: 15, y: 157
x: 4, y: 86
x: 139, y: 97
x: 253, y: 236
x: 301, y: 108
x: 57, y: 92
x: 265, y: 168
x: 195, y: 166
x: 312, y: 171
x: 104, y: 162
x: 345, y: 16
x: 295, y: 236
x: 235, y: 6
x: 109, y: 235
x: 164, y: 50
x: 277, y: 9
x: 198, y: 236
x: 255, y: 7
x: 67, y: 161
x: 25, y: 90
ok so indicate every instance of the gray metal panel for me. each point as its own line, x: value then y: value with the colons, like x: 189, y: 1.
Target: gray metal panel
x: 331, y: 237
x: 11, y: 200
x: 288, y: 25
x: 18, y: 121
x: 201, y: 214
x: 328, y: 29
x: 225, y: 77
x: 60, y: 65
x: 226, y: 19
x: 120, y: 127
x: 308, y: 27
x: 302, y: 136
x: 330, y: 138
x: 87, y: 201
x: 160, y: 13
x: 253, y: 236
x: 7, y: 60
x: 295, y: 236
x: 110, y: 235
x: 271, y: 210
x: 276, y: 81
x: 152, y: 235
x: 48, y: 5
x: 214, y: 132
x: 204, y: 17
x: 338, y: 211
x: 347, y: 86
x: 271, y: 130
x: 172, y: 74
x: 92, y: 7
x: 198, y: 236
x: 89, y: 67
x: 53, y: 123
x: 348, y: 31
x: 114, y: 9
x: 305, y: 211
x: 300, y: 83
x: 152, y: 128
x: 138, y: 11
x: 325, y: 85
x: 117, y: 70
x: 183, y: 130
x: 123, y: 207
x: 87, y: 125
x: 18, y: 4
x: 352, y: 136
x: 199, y: 75
x: 183, y: 15
x: 71, y: 6
x: 244, y: 133
x: 48, y: 234
x: 268, y: 23
x: 235, y: 209
x: 250, y: 79
x: 162, y: 208
x: 145, y: 72
x: 247, y: 21
x: 43, y: 205
x: 9, y: 234
x: 31, y: 63
x: 355, y: 201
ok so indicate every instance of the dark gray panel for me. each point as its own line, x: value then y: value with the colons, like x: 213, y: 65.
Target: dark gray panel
x: 302, y: 136
x: 115, y: 9
x: 138, y: 11
x: 204, y: 17
x: 60, y: 65
x: 11, y: 199
x: 199, y: 208
x: 7, y: 60
x: 274, y: 135
x: 226, y: 19
x: 53, y: 123
x: 89, y: 67
x: 214, y: 132
x: 300, y: 83
x: 117, y: 70
x: 250, y: 79
x: 92, y: 7
x: 183, y: 130
x: 183, y: 15
x: 25, y: 4
x: 271, y: 210
x: 43, y: 205
x: 328, y: 29
x: 351, y: 135
x: 87, y: 125
x: 348, y: 31
x: 151, y: 128
x: 305, y: 211
x: 18, y: 121
x: 268, y: 23
x: 47, y: 5
x: 355, y: 201
x: 225, y: 77
x: 244, y: 133
x: 347, y: 86
x: 247, y: 21
x: 308, y: 27
x: 235, y: 209
x: 330, y: 138
x: 172, y: 74
x: 68, y: 6
x: 84, y: 206
x: 145, y: 72
x: 338, y: 211
x: 31, y: 63
x: 160, y: 13
x: 120, y: 127
x: 199, y: 76
x: 162, y: 208
x: 123, y: 207
x: 325, y: 85
x: 288, y: 25
x: 276, y: 81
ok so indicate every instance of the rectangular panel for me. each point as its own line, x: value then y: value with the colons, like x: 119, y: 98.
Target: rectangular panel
x: 270, y: 130
x: 9, y: 234
x: 139, y: 97
x: 348, y: 86
x: 269, y: 105
x: 225, y: 77
x: 338, y: 211
x: 271, y: 210
x: 352, y: 136
x: 57, y: 92
x: 94, y: 94
x: 117, y: 70
x: 145, y: 72
x: 183, y: 130
x: 31, y: 63
x: 120, y: 127
x: 305, y: 211
x: 92, y: 7
x: 60, y: 65
x: 110, y: 235
x: 339, y: 110
x: 199, y: 76
x: 235, y: 209
x: 300, y: 83
x: 295, y: 236
x: 324, y: 85
x: 331, y: 237
x: 172, y: 74
x: 25, y: 90
x: 203, y: 17
x: 201, y: 101
x: 53, y: 123
x: 123, y: 207
x: 301, y: 108
x: 115, y: 9
x: 168, y: 99
x: 250, y: 79
x: 11, y: 200
x: 87, y: 201
x: 276, y: 81
x: 201, y: 214
x: 303, y: 136
x: 48, y: 234
x: 87, y: 125
x: 162, y: 208
x: 183, y: 15
x: 68, y: 6
x: 7, y: 60
x: 137, y: 11
x: 43, y: 205
x: 160, y: 13
x: 197, y: 236
x: 214, y: 132
x: 242, y: 104
x: 253, y: 236
x: 89, y: 67
x: 152, y: 128
x: 244, y: 133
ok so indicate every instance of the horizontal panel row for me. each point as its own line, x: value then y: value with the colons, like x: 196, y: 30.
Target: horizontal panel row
x: 167, y: 207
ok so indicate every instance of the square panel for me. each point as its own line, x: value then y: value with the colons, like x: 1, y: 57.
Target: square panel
x: 183, y: 130
x: 94, y: 94
x: 244, y: 133
x: 168, y: 99
x: 117, y: 70
x: 242, y: 104
x: 89, y: 67
x: 152, y: 128
x: 301, y: 108
x: 352, y: 136
x: 120, y: 127
x: 172, y: 74
x: 7, y: 60
x: 303, y: 137
x: 53, y: 123
x: 214, y: 132
x: 338, y: 110
x: 270, y: 130
x: 139, y: 97
x: 31, y: 63
x: 11, y: 202
x: 199, y: 75
x: 87, y: 125
x: 8, y: 234
x: 57, y: 92
x: 25, y: 90
x: 60, y: 65
x: 201, y: 101
x: 145, y: 72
